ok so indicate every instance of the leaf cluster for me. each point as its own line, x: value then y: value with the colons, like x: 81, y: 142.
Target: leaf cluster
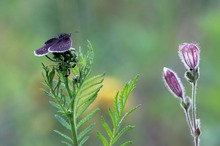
x: 72, y: 95
x: 118, y: 116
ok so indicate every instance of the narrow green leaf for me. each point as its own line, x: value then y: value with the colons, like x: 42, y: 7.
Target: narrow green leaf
x: 85, y: 131
x: 126, y: 143
x: 102, y: 139
x: 116, y: 109
x: 57, y: 106
x: 120, y: 133
x: 90, y: 92
x: 127, y: 114
x: 82, y: 109
x: 106, y: 127
x: 57, y: 86
x: 93, y: 79
x: 63, y: 122
x: 87, y: 118
x: 64, y: 135
x: 112, y: 116
x: 124, y: 95
x: 47, y: 93
x: 51, y: 76
x: 66, y: 143
x: 88, y: 98
x: 127, y: 89
x: 92, y: 85
x: 83, y: 140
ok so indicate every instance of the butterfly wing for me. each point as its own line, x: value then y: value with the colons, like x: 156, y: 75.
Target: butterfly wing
x: 44, y: 50
x: 64, y: 44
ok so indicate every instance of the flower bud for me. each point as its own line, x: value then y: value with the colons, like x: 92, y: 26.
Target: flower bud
x: 173, y: 83
x: 189, y: 55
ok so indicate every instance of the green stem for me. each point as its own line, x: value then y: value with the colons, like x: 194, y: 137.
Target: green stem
x: 72, y: 116
x: 194, y: 104
x: 188, y: 119
x: 57, y: 99
x: 74, y: 132
x: 66, y: 82
x: 196, y: 138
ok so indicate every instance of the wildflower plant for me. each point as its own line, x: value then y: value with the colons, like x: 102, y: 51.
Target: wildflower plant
x: 189, y: 55
x: 72, y: 91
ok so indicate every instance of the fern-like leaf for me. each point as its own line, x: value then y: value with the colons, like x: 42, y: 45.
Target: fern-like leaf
x: 106, y: 127
x: 85, y: 131
x: 73, y: 93
x: 63, y: 122
x: 83, y: 140
x: 117, y: 117
x: 66, y: 143
x: 64, y: 136
x: 87, y: 118
x: 102, y: 139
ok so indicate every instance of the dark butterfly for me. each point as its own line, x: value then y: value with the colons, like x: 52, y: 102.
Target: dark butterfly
x: 58, y: 44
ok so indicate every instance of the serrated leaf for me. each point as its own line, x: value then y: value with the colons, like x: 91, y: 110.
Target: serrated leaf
x: 102, y: 139
x: 57, y: 86
x: 127, y: 114
x: 106, y: 127
x: 85, y: 131
x: 47, y: 93
x: 87, y: 118
x: 126, y: 143
x: 83, y: 140
x: 63, y: 135
x: 88, y: 98
x: 116, y: 115
x: 66, y: 143
x: 93, y: 79
x: 120, y: 133
x: 90, y: 92
x: 113, y: 118
x: 92, y: 85
x: 86, y: 105
x: 116, y: 109
x: 63, y: 122
x: 57, y: 106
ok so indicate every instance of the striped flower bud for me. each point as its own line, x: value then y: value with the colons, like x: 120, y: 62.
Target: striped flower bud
x: 189, y: 55
x: 173, y: 83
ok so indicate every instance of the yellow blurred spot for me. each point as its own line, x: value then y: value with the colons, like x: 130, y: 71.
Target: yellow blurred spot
x: 105, y: 98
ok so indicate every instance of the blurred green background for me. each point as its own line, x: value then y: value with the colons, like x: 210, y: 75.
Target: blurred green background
x: 129, y: 37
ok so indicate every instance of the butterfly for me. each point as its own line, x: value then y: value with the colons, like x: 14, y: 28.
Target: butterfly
x: 58, y: 44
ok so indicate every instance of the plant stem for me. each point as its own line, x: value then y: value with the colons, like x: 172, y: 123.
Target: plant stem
x: 72, y: 115
x: 196, y: 137
x: 194, y: 104
x: 67, y: 86
x: 188, y: 119
x: 74, y: 134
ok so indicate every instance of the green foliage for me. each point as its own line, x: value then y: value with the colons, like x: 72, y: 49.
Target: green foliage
x: 117, y: 117
x: 72, y: 95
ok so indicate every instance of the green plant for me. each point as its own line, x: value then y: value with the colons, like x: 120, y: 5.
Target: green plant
x: 118, y: 116
x: 72, y: 91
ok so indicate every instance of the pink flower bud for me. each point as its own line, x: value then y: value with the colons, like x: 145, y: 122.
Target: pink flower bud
x: 173, y: 82
x: 189, y: 55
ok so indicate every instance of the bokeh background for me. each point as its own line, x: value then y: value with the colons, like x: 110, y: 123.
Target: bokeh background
x: 129, y: 37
